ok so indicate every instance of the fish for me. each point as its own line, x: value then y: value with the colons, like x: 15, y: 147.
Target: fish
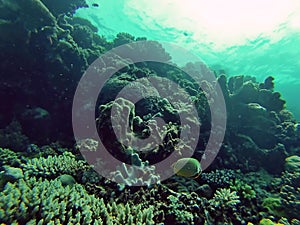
x: 95, y: 5
x: 187, y: 167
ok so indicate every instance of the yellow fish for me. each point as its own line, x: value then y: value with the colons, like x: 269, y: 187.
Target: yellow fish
x: 187, y: 167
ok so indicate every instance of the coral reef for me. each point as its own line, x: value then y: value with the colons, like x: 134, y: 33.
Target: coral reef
x: 255, y: 178
x: 259, y: 127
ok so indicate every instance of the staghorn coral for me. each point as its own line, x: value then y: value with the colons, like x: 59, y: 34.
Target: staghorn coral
x: 48, y: 202
x: 53, y: 166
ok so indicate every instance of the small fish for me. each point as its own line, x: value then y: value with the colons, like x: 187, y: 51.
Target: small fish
x: 95, y: 5
x: 187, y: 167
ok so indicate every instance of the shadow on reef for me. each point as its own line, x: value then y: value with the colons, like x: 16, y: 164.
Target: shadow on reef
x: 255, y: 179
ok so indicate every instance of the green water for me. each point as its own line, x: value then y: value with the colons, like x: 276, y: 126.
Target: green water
x: 258, y: 38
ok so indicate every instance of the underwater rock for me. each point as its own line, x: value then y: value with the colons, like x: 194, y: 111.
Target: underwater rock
x: 252, y: 119
x: 12, y: 33
x: 222, y: 80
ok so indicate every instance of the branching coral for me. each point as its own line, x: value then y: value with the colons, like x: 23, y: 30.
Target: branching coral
x: 54, y: 165
x: 224, y: 198
x: 222, y: 205
x: 9, y: 157
x: 48, y: 202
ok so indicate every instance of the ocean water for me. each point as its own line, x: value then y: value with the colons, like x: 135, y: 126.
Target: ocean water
x: 135, y: 112
x: 257, y: 38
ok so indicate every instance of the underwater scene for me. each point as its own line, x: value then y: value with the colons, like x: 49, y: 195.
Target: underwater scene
x: 135, y: 112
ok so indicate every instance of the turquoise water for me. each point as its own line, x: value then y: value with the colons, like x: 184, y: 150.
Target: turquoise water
x: 258, y: 38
